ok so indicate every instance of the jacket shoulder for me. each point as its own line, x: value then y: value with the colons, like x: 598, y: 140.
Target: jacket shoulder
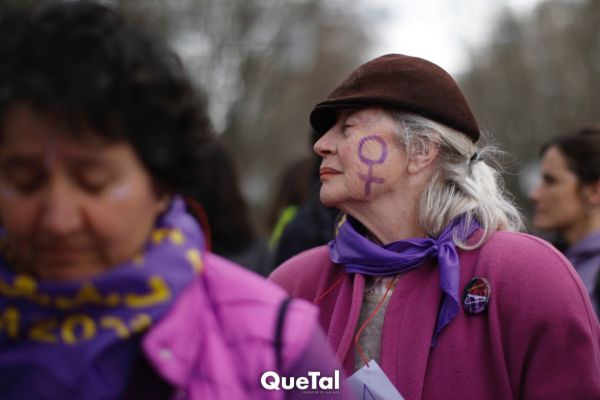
x: 521, y: 254
x: 248, y: 306
x: 240, y: 283
x: 544, y: 314
x: 227, y: 317
x: 298, y: 274
x: 527, y: 270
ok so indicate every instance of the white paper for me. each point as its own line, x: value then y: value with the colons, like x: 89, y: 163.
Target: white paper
x: 371, y: 383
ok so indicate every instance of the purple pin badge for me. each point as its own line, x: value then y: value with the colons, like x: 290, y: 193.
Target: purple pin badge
x: 476, y: 295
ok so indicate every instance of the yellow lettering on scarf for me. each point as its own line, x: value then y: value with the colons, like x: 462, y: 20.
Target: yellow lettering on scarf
x: 23, y: 286
x: 158, y: 235
x: 177, y: 237
x: 193, y: 256
x: 86, y: 325
x: 159, y: 294
x: 117, y: 324
x: 43, y: 331
x: 140, y: 323
x: 87, y: 294
x: 9, y: 322
x: 6, y: 289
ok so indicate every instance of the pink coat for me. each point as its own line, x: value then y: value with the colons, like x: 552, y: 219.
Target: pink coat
x: 538, y: 339
x: 218, y: 339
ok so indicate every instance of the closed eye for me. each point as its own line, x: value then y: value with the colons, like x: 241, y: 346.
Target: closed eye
x: 94, y: 177
x: 549, y: 179
x: 25, y: 174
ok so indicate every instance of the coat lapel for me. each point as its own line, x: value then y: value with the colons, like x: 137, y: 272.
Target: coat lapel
x: 408, y: 329
x: 344, y: 317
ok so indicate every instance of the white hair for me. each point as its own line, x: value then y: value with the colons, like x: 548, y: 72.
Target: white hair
x: 463, y: 184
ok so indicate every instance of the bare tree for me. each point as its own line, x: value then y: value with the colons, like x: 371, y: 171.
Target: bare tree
x: 263, y: 64
x: 537, y: 77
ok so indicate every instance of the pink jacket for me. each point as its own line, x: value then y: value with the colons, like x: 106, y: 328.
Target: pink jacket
x: 218, y: 339
x: 538, y: 339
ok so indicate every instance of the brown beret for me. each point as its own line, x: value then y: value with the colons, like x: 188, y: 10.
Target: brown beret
x: 404, y: 83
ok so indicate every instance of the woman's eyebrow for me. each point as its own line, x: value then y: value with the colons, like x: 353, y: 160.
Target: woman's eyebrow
x: 20, y: 160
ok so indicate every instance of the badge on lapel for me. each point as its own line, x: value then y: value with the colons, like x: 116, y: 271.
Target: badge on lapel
x: 476, y: 295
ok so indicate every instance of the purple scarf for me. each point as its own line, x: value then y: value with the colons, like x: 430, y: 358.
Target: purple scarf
x: 79, y: 340
x: 361, y: 256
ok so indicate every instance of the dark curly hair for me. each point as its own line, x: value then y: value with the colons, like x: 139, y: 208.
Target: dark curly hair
x: 88, y: 64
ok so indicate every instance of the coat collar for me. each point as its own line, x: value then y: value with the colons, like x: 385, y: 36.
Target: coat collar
x: 590, y: 244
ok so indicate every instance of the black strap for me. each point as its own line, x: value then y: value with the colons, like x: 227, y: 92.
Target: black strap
x: 278, y: 342
x: 146, y: 383
x: 597, y: 288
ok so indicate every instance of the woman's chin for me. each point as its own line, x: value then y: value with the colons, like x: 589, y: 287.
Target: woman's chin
x: 542, y: 224
x: 63, y: 270
x: 328, y: 200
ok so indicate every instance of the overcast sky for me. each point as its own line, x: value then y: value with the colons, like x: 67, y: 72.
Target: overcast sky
x: 439, y: 30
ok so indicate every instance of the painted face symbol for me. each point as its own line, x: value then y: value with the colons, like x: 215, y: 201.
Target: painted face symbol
x: 369, y: 178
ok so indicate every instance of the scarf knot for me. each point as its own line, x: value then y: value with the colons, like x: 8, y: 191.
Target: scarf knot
x: 359, y: 255
x: 433, y: 250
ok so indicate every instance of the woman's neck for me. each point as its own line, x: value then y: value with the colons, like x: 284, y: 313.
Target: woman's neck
x: 386, y: 223
x: 581, y: 229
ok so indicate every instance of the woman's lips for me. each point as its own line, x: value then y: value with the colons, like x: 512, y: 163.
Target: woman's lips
x: 61, y: 252
x: 327, y: 172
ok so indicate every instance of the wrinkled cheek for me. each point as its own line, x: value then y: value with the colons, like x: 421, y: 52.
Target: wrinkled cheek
x: 116, y: 248
x: 355, y: 185
x: 12, y: 205
x: 19, y: 250
x: 7, y: 194
x: 123, y: 240
x: 365, y: 180
x: 17, y: 219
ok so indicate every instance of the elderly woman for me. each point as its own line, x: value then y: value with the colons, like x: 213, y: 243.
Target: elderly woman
x: 568, y: 201
x: 427, y: 276
x: 106, y: 288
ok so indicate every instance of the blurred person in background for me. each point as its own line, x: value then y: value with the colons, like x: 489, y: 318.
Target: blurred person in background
x: 428, y: 291
x: 106, y: 288
x: 305, y: 223
x: 567, y: 200
x: 232, y: 234
x: 292, y: 191
x: 313, y: 225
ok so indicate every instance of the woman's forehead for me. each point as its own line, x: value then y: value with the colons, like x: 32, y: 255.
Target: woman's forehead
x: 367, y: 115
x: 554, y: 158
x: 24, y: 126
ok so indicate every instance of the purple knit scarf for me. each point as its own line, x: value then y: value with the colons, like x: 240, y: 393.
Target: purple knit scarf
x: 361, y: 256
x: 79, y: 340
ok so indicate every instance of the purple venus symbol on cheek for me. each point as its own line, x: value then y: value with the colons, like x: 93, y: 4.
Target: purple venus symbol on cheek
x: 370, y: 178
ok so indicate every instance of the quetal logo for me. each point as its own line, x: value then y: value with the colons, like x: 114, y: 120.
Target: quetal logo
x: 271, y: 380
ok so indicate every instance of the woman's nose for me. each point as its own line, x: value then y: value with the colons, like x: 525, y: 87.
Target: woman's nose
x: 60, y: 210
x: 325, y: 145
x: 534, y: 194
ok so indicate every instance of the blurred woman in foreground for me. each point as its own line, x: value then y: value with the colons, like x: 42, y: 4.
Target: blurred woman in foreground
x: 106, y: 288
x: 568, y: 201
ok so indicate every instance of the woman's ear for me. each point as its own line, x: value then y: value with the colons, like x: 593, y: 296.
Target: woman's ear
x: 163, y: 202
x: 422, y: 155
x: 163, y: 197
x: 591, y: 193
